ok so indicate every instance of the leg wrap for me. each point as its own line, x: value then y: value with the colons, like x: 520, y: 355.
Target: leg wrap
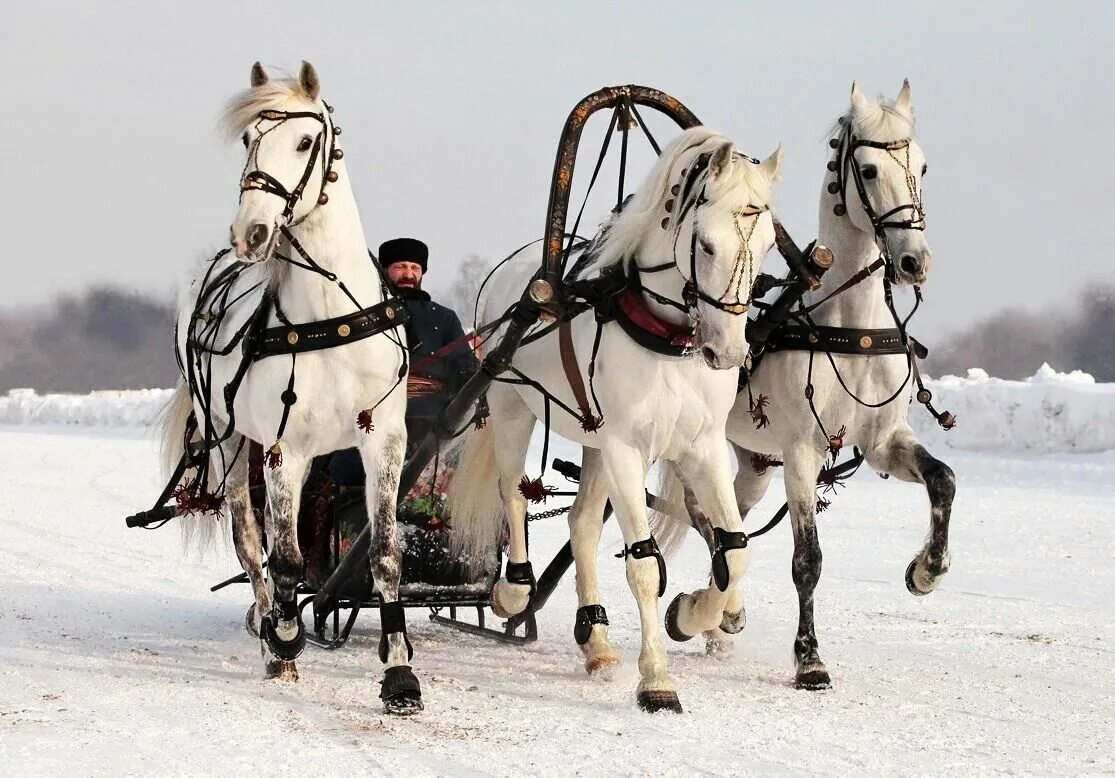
x: 586, y: 617
x: 521, y: 573
x: 641, y: 550
x: 391, y: 622
x: 288, y: 650
x: 725, y: 541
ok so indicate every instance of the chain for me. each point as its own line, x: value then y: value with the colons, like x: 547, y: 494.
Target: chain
x: 548, y: 514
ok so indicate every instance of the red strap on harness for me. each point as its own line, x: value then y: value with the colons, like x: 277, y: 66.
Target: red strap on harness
x: 631, y: 303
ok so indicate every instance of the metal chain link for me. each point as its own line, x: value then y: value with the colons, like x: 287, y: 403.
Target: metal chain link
x: 548, y: 514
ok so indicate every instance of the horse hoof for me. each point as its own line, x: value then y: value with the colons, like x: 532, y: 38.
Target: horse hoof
x: 252, y: 621
x: 719, y: 647
x: 733, y: 623
x: 659, y: 702
x: 507, y: 604
x: 401, y: 694
x: 601, y: 666
x: 671, y: 621
x: 289, y: 649
x: 814, y: 679
x: 281, y: 670
x: 911, y: 586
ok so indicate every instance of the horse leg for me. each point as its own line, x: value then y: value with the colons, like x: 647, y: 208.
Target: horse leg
x: 802, y: 464
x: 591, y: 629
x: 282, y: 630
x: 750, y: 486
x: 708, y: 474
x: 626, y: 471
x: 903, y: 457
x: 247, y: 537
x: 513, y: 427
x: 382, y: 453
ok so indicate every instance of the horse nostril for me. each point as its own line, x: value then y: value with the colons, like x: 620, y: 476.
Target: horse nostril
x: 910, y: 264
x: 710, y: 356
x: 257, y: 235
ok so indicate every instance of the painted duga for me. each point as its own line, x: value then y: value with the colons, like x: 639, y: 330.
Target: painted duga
x: 296, y: 206
x: 876, y: 157
x: 700, y: 219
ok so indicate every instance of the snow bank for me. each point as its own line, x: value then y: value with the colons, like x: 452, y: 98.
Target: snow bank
x: 1049, y: 413
x: 138, y: 408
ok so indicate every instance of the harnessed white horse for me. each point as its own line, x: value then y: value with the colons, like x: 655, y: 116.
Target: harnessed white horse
x: 710, y: 204
x: 871, y: 206
x: 300, y: 258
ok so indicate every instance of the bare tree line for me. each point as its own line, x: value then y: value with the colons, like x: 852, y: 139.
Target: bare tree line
x: 106, y: 338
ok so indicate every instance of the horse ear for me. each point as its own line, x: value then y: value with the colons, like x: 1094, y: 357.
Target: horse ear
x: 259, y: 75
x: 772, y: 165
x: 903, y: 103
x: 308, y: 80
x: 859, y: 101
x: 721, y: 162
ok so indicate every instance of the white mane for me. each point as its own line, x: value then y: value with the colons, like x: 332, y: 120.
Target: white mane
x: 880, y: 121
x: 244, y: 108
x: 643, y: 214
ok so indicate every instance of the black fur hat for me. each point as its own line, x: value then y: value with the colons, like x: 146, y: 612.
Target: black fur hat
x: 404, y: 250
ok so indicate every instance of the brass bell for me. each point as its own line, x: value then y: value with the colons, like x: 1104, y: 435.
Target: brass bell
x: 675, y: 189
x: 832, y: 165
x: 336, y: 130
x: 834, y: 143
x: 669, y: 206
x: 833, y: 187
x: 666, y: 222
x: 338, y: 153
x: 332, y: 176
x: 322, y: 198
x: 924, y: 396
x: 839, y: 209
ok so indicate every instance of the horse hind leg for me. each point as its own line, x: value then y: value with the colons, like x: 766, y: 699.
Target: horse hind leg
x: 585, y: 525
x: 382, y: 454
x: 282, y: 632
x: 247, y: 535
x: 906, y: 459
x: 750, y: 486
x: 513, y: 427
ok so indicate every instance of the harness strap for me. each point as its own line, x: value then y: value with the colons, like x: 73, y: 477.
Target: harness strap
x: 589, y: 421
x: 641, y: 549
x: 587, y: 616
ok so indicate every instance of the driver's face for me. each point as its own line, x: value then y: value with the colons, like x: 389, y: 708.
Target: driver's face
x: 405, y: 274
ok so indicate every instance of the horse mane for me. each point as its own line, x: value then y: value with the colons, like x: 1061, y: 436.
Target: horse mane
x: 624, y: 232
x: 244, y: 108
x: 879, y: 121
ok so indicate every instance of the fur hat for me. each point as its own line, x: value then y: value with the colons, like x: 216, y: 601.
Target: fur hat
x: 404, y: 250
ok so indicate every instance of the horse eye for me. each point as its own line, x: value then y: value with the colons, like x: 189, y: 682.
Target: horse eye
x: 924, y: 169
x: 869, y: 171
x: 244, y: 138
x: 305, y: 144
x: 706, y: 247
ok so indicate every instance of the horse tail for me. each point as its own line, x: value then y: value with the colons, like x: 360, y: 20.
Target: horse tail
x: 198, y: 530
x: 475, y: 506
x: 669, y: 520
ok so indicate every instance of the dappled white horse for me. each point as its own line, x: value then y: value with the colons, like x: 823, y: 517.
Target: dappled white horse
x: 689, y: 242
x: 300, y: 391
x: 871, y: 209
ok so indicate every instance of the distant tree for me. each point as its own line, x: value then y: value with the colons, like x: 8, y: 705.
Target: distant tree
x: 465, y: 287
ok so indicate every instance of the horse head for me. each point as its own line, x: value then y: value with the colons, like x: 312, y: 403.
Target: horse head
x: 290, y: 145
x: 878, y: 168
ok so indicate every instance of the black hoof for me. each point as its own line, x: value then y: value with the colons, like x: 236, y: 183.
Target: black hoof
x: 914, y: 590
x: 284, y: 649
x: 250, y: 621
x: 659, y: 702
x: 733, y: 623
x: 671, y: 622
x: 400, y: 692
x: 281, y: 670
x: 814, y: 679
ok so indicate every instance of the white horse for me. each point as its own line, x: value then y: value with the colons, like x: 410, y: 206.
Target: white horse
x: 871, y: 205
x: 296, y: 208
x: 693, y: 235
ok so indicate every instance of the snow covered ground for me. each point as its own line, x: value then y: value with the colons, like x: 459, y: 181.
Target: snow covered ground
x: 116, y: 659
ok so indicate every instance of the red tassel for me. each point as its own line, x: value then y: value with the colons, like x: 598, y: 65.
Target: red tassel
x: 760, y: 463
x: 757, y: 415
x: 535, y: 491
x: 190, y: 499
x: 591, y: 423
x: 822, y: 503
x: 364, y: 421
x: 274, y: 456
x: 836, y: 442
x: 947, y: 420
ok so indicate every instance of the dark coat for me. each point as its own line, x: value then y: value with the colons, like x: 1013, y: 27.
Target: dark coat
x: 432, y: 327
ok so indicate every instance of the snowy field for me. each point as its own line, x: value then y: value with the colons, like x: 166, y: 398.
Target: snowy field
x: 118, y: 660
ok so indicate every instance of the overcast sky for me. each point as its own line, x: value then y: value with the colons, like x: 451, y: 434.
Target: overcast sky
x: 113, y: 171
